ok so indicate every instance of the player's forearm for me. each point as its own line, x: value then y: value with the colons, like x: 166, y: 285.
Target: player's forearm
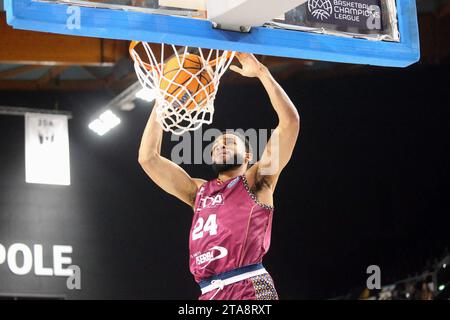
x: 287, y: 113
x: 151, y: 139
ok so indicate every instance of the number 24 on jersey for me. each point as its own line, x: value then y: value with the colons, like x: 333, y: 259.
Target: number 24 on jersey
x: 202, y: 227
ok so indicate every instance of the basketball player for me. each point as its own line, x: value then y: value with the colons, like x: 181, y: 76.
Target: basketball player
x: 232, y: 218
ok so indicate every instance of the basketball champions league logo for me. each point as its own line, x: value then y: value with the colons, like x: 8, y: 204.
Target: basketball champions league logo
x: 362, y: 14
x: 320, y: 9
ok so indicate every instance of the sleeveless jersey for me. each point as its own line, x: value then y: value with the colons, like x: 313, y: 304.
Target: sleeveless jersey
x: 230, y: 228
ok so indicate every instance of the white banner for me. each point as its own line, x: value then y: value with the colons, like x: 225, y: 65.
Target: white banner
x: 47, y: 149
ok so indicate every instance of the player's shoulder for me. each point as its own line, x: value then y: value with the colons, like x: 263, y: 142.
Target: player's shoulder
x: 199, y: 182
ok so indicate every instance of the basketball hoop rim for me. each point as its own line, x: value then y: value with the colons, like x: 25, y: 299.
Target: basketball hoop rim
x: 150, y: 67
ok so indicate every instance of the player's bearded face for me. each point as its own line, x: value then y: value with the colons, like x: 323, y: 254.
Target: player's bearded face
x: 228, y: 153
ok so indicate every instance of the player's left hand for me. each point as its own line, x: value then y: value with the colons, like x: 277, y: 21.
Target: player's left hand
x: 251, y: 67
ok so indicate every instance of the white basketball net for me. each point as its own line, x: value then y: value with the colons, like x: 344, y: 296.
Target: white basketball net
x: 178, y: 107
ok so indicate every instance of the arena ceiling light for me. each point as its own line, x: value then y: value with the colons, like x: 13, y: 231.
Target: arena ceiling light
x: 109, y: 119
x: 104, y: 123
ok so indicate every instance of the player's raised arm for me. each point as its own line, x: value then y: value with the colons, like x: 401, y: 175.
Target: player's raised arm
x: 165, y: 173
x: 279, y: 149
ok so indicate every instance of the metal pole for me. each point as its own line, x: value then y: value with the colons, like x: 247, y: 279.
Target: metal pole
x: 19, y: 111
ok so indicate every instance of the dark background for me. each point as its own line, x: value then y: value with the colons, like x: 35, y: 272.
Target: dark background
x: 368, y: 184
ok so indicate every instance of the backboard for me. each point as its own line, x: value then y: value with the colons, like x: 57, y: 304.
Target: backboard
x: 374, y: 32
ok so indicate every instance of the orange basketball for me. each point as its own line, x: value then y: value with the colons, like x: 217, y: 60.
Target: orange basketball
x: 188, y: 85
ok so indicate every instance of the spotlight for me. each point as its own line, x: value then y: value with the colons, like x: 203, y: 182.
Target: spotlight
x: 105, y: 122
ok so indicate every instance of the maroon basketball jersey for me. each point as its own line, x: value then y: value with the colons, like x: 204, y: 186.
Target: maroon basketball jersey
x: 230, y: 228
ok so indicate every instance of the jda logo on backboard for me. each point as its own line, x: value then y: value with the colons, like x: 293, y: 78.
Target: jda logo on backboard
x: 320, y: 9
